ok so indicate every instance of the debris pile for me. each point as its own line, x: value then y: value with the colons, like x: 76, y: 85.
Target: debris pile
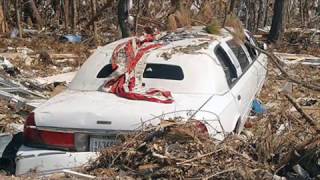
x: 29, y: 75
x: 175, y: 150
x: 178, y: 150
x: 10, y: 121
x: 277, y: 145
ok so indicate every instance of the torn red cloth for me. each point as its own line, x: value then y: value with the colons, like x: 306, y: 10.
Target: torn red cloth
x: 124, y: 84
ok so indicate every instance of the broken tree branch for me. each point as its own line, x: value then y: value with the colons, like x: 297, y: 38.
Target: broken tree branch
x: 219, y: 173
x: 200, y: 157
x: 275, y: 60
x: 307, y: 117
x: 99, y: 13
x: 77, y: 174
x: 152, y: 21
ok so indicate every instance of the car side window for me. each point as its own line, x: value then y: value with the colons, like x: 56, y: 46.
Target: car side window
x: 255, y: 42
x: 106, y: 71
x: 251, y: 50
x: 240, y: 54
x: 228, y: 67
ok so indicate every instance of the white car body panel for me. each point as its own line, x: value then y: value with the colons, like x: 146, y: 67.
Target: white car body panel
x: 86, y: 108
x: 92, y: 66
x: 31, y: 160
x: 83, y: 104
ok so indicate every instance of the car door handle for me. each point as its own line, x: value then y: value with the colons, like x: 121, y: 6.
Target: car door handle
x: 239, y: 97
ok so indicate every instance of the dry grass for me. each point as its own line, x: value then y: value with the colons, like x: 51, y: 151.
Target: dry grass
x: 172, y: 23
x: 183, y: 17
x: 206, y: 13
x: 237, y: 28
x: 180, y: 18
x: 214, y: 27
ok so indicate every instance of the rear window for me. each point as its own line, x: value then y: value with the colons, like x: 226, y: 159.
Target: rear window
x: 105, y: 71
x: 163, y: 71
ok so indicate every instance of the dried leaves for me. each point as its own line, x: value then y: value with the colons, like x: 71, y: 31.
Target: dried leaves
x: 177, y: 151
x: 174, y: 150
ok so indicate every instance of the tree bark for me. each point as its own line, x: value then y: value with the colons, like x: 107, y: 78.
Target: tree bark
x: 305, y: 12
x: 318, y: 9
x: 56, y: 4
x: 2, y: 20
x: 123, y: 13
x: 301, y: 11
x: 17, y: 7
x: 66, y: 14
x: 260, y: 14
x: 265, y: 21
x: 35, y: 13
x: 75, y: 14
x: 231, y: 8
x: 94, y: 12
x: 277, y: 21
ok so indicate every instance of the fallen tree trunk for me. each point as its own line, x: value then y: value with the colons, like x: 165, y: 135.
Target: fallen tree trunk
x: 307, y: 117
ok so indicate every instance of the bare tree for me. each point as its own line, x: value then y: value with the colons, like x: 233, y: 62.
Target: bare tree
x: 66, y: 14
x: 35, y: 13
x: 123, y: 14
x: 277, y: 21
x: 74, y: 14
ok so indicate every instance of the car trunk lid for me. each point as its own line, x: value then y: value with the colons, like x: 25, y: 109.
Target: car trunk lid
x: 105, y: 111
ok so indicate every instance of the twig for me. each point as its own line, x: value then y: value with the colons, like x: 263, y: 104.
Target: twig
x: 219, y: 173
x: 151, y: 21
x: 125, y: 149
x: 78, y: 175
x: 307, y: 117
x: 159, y: 155
x: 240, y: 154
x: 200, y: 157
x: 200, y: 22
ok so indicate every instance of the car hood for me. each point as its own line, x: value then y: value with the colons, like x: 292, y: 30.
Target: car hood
x: 101, y: 110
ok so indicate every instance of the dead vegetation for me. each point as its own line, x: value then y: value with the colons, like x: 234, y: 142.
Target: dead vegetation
x: 277, y: 144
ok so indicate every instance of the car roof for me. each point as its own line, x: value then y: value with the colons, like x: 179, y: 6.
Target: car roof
x: 193, y: 40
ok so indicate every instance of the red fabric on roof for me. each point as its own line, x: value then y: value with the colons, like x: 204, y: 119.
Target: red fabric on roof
x: 124, y: 84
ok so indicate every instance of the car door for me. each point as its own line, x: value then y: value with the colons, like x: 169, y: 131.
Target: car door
x: 231, y: 114
x: 245, y: 86
x: 260, y: 59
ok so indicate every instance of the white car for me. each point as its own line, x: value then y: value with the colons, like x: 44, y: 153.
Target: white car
x: 210, y: 78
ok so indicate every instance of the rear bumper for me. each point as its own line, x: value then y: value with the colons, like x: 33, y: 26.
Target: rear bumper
x: 42, y: 161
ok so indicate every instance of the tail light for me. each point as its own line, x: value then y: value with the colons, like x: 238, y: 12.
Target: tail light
x: 44, y: 138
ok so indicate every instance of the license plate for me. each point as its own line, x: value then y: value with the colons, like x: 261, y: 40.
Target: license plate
x: 98, y: 143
